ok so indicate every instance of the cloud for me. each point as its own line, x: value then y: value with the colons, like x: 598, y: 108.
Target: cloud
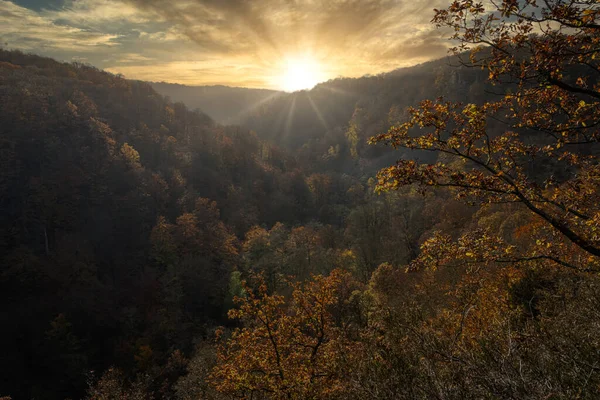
x: 350, y: 37
x: 290, y: 25
x: 227, y: 41
x: 31, y: 31
x: 194, y: 73
x: 40, y: 4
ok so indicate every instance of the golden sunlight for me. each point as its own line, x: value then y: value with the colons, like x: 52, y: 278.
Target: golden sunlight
x: 301, y: 73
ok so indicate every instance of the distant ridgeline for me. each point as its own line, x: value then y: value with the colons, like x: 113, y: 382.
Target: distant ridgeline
x: 329, y: 125
x: 226, y: 105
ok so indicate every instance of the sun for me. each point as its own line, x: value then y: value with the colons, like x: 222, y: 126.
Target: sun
x: 301, y: 73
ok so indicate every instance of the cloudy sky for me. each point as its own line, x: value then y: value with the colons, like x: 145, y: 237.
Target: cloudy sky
x: 248, y: 43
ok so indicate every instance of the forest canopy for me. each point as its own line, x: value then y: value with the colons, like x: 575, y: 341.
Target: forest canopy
x: 148, y: 252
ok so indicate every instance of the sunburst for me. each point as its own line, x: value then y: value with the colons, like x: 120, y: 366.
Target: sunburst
x: 301, y: 73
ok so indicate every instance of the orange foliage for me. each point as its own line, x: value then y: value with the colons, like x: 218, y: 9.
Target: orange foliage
x: 286, y: 349
x: 556, y: 94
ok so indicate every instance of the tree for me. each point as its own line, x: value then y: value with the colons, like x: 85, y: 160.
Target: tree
x: 287, y: 349
x: 536, y: 145
x: 197, y: 255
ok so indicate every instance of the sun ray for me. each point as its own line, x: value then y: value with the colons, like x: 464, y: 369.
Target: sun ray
x: 254, y: 106
x: 288, y: 121
x: 318, y: 112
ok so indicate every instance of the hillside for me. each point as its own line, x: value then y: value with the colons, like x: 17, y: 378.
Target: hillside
x: 226, y: 105
x: 93, y: 167
x: 329, y: 125
x: 127, y: 220
x: 341, y: 243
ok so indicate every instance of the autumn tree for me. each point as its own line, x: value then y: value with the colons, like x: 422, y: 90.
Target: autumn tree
x: 506, y: 322
x: 287, y: 349
x: 196, y: 254
x: 264, y: 253
x: 535, y: 145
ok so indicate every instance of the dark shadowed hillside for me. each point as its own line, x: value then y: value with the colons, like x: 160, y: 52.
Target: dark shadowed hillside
x: 128, y: 221
x: 118, y: 219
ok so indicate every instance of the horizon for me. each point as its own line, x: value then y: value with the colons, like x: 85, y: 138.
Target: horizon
x: 268, y: 44
x: 215, y: 85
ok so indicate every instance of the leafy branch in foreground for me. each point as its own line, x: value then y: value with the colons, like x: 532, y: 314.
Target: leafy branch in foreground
x: 537, y: 145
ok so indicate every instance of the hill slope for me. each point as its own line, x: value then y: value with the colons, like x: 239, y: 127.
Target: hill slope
x: 226, y: 105
x: 328, y: 126
x: 118, y: 215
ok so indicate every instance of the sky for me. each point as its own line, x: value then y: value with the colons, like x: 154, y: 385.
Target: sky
x: 273, y: 44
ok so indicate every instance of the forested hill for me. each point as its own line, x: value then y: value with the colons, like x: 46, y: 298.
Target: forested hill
x: 328, y: 126
x: 127, y: 223
x: 226, y: 105
x: 365, y: 106
x: 104, y: 187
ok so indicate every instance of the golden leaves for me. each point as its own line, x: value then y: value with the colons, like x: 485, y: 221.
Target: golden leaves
x: 287, y: 347
x: 552, y: 94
